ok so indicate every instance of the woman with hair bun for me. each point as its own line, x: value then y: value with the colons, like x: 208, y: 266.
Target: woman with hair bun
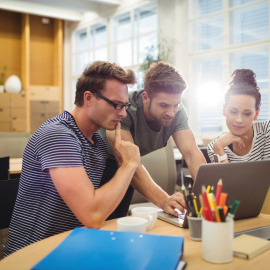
x: 245, y: 140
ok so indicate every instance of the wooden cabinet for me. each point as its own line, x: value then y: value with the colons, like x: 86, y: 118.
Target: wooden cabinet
x: 12, y: 112
x: 44, y: 104
x: 33, y: 51
x: 42, y: 111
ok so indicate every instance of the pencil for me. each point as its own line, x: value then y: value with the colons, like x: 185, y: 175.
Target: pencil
x: 201, y: 202
x: 184, y: 191
x: 182, y: 178
x: 218, y: 219
x: 207, y: 208
x: 222, y: 199
x: 218, y: 190
x: 185, y: 195
x: 195, y: 204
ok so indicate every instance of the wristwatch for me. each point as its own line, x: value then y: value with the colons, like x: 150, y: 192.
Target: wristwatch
x: 218, y: 158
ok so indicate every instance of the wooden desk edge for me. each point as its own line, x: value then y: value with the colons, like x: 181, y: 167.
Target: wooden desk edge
x: 192, y: 249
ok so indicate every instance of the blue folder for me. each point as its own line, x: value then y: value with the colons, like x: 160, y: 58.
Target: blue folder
x: 97, y: 249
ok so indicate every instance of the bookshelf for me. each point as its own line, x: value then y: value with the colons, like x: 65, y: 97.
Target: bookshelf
x: 32, y: 48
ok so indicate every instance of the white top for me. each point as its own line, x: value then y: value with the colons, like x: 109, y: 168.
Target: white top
x: 260, y: 145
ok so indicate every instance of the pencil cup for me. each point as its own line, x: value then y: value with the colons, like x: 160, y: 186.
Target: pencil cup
x: 195, y: 228
x: 217, y: 241
x: 132, y: 224
x: 149, y: 213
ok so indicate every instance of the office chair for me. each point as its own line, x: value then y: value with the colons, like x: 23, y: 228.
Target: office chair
x: 204, y: 151
x: 8, y: 194
x: 187, y: 178
x: 4, y: 168
x: 205, y: 154
x: 161, y: 166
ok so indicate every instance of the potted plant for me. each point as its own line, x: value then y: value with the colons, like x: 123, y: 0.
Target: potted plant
x: 155, y: 53
x: 2, y: 79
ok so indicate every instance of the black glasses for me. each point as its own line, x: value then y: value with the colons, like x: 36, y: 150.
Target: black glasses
x: 117, y: 106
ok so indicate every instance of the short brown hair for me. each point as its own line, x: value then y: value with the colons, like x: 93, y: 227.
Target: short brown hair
x: 95, y: 76
x: 162, y: 77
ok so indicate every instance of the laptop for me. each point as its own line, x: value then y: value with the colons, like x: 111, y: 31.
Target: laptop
x: 247, y: 182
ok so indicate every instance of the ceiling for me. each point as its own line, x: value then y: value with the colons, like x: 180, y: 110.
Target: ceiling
x: 64, y: 9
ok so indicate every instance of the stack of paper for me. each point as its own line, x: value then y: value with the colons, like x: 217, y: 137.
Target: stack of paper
x: 96, y: 249
x: 247, y: 246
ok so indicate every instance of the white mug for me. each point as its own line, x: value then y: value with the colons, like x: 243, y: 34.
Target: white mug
x: 132, y: 224
x: 149, y: 213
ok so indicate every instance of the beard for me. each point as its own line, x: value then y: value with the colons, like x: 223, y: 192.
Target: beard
x: 162, y: 120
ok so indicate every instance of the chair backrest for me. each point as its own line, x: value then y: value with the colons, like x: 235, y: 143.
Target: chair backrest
x: 4, y: 168
x: 8, y: 194
x: 204, y: 151
x: 162, y: 167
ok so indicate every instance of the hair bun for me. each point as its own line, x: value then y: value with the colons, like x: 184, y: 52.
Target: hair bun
x: 244, y: 76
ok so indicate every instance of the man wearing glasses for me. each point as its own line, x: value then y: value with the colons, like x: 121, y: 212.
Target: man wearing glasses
x: 64, y: 160
x: 156, y: 114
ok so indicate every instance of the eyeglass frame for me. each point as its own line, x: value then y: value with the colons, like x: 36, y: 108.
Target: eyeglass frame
x: 126, y: 105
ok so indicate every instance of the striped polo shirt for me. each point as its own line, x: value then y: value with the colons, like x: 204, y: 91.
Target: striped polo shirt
x: 260, y: 148
x: 39, y: 210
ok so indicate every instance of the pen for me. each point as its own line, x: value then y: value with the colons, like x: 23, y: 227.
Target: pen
x: 232, y: 211
x: 221, y: 213
x: 189, y: 189
x: 218, y: 190
x: 191, y: 205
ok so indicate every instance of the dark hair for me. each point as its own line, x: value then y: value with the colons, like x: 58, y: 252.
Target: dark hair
x: 244, y: 83
x: 95, y: 76
x: 162, y: 77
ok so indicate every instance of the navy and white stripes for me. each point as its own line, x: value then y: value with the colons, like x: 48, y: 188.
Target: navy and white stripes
x: 260, y: 146
x: 39, y: 211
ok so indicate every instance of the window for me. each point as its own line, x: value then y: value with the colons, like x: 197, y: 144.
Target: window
x: 125, y: 38
x: 250, y: 23
x: 224, y: 36
x: 98, y: 42
x: 134, y: 34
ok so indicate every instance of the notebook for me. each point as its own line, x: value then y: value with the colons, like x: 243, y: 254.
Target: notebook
x: 247, y: 182
x: 248, y: 246
x: 87, y: 248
